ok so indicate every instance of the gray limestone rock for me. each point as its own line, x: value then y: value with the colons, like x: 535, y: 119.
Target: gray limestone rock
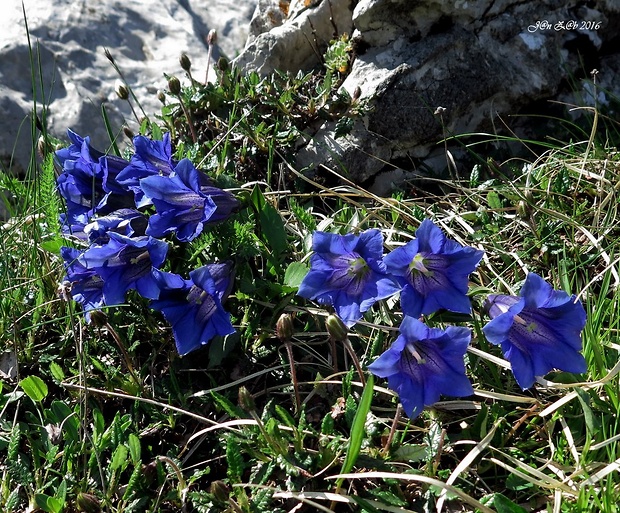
x: 69, y: 37
x: 434, y: 68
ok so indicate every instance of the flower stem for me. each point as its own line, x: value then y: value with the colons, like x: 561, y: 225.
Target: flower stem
x: 289, y: 350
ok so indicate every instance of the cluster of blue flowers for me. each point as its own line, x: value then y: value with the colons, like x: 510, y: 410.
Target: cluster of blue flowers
x: 538, y: 331
x: 119, y: 211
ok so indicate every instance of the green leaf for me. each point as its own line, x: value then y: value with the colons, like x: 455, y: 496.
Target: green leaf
x: 272, y: 227
x: 411, y: 453
x: 49, y: 504
x: 227, y: 406
x: 234, y: 460
x: 135, y: 449
x: 494, y: 201
x: 592, y: 422
x: 119, y: 457
x: 357, y: 429
x: 34, y: 387
x: 502, y: 503
x: 285, y: 416
x: 295, y: 273
x: 57, y: 373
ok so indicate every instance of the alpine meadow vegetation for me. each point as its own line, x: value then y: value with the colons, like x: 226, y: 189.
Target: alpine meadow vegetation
x: 191, y: 323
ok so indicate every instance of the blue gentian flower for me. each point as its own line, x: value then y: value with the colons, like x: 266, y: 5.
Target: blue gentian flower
x: 181, y: 206
x: 194, y: 307
x: 126, y: 263
x: 151, y: 158
x: 86, y: 285
x: 538, y: 331
x: 424, y: 363
x: 88, y: 183
x: 125, y: 221
x: 434, y: 272
x: 348, y: 273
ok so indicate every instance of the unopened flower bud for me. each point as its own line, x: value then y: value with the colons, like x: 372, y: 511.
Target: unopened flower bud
x: 42, y: 146
x: 211, y: 37
x: 121, y: 90
x: 522, y: 209
x: 220, y: 490
x: 98, y: 318
x: 284, y: 328
x: 222, y: 64
x: 128, y: 132
x: 174, y: 84
x: 161, y: 96
x: 336, y: 328
x: 186, y: 64
x: 88, y: 503
x: 108, y: 55
x: 246, y: 401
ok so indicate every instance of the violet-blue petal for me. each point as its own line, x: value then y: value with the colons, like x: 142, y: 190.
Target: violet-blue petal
x: 347, y: 273
x: 86, y: 285
x: 181, y: 207
x: 434, y: 272
x: 425, y: 363
x: 194, y: 307
x: 538, y: 331
x: 126, y: 263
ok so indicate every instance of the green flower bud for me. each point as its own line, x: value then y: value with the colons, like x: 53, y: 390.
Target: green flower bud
x: 121, y: 90
x: 220, y: 490
x: 246, y: 401
x: 336, y: 328
x: 128, y: 132
x: 186, y: 64
x: 284, y: 328
x: 88, y: 503
x: 174, y: 84
x: 222, y: 64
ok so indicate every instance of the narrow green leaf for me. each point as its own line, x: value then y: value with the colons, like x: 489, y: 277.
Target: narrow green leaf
x: 357, y: 429
x: 119, y: 457
x: 135, y: 450
x: 57, y: 373
x: 234, y: 460
x: 108, y: 129
x: 502, y: 504
x: 272, y: 227
x: 592, y: 422
x: 34, y: 387
x: 227, y: 406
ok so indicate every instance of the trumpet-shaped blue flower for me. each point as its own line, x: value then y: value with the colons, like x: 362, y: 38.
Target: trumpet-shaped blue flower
x: 88, y: 184
x: 125, y: 221
x: 424, y: 363
x: 194, y: 307
x: 433, y: 271
x: 151, y: 158
x: 126, y: 263
x: 182, y: 208
x: 348, y: 273
x: 538, y: 331
x: 86, y: 285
